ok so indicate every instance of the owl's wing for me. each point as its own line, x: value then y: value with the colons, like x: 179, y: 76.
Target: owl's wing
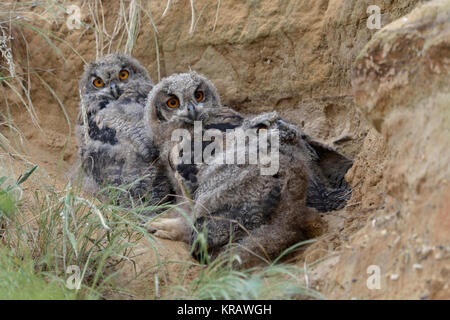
x: 244, y: 202
x: 327, y: 189
x: 223, y: 118
x: 333, y: 164
x: 103, y: 162
x: 118, y: 166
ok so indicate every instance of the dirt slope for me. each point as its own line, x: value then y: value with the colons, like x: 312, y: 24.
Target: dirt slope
x: 390, y: 113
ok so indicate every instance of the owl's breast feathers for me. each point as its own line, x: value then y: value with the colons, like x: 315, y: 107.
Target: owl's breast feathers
x: 105, y: 134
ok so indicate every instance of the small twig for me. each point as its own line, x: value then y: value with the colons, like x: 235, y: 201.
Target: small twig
x: 306, y: 275
x: 352, y: 204
x: 167, y: 8
x: 191, y: 29
x: 217, y: 15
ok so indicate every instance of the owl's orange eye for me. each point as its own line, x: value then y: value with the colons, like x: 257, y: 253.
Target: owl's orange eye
x: 198, y: 95
x: 173, y: 102
x: 98, y: 83
x: 123, y: 74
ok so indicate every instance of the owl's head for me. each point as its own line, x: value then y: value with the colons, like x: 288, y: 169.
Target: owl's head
x: 270, y: 121
x: 183, y: 97
x: 112, y: 75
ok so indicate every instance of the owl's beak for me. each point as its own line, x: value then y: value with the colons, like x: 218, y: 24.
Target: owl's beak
x: 114, y: 90
x: 192, y: 114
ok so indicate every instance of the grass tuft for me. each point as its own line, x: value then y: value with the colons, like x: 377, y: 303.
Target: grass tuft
x: 220, y: 280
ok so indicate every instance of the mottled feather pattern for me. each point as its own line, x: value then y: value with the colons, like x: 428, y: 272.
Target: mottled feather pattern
x: 124, y: 132
x: 232, y: 201
x: 117, y: 149
x: 235, y: 201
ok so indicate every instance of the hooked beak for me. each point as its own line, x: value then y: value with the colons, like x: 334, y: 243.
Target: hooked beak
x: 114, y: 90
x: 192, y: 113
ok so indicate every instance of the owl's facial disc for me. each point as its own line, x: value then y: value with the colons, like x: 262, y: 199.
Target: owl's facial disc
x: 111, y: 83
x: 185, y: 97
x: 185, y: 106
x: 198, y: 101
x: 110, y: 76
x: 185, y: 111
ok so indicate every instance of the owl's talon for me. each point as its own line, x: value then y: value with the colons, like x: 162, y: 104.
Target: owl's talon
x: 168, y: 228
x: 164, y: 235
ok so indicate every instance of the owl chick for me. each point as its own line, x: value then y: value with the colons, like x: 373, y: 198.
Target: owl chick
x: 115, y: 149
x: 263, y: 214
x: 177, y: 102
x: 181, y: 98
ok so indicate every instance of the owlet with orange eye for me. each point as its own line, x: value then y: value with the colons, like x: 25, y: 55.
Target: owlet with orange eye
x: 176, y: 105
x: 123, y: 74
x: 173, y: 102
x: 114, y: 147
x: 186, y: 98
x: 198, y: 95
x: 259, y: 209
x: 98, y: 82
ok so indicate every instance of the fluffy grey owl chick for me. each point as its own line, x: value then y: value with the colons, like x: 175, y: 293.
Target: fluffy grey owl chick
x: 327, y: 188
x: 264, y: 214
x: 261, y: 215
x: 114, y: 146
x: 175, y: 103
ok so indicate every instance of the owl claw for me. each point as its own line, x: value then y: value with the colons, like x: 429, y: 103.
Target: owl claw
x: 164, y: 235
x: 168, y: 228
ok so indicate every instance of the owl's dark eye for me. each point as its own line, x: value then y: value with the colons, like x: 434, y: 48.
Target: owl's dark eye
x: 173, y: 102
x: 198, y: 95
x: 123, y: 74
x: 98, y: 83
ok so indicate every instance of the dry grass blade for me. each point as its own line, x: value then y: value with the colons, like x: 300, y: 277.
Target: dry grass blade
x: 191, y: 29
x: 217, y: 15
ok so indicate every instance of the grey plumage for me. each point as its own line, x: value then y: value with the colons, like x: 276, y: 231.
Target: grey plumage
x: 261, y: 214
x: 162, y: 120
x: 115, y: 149
x: 327, y: 188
